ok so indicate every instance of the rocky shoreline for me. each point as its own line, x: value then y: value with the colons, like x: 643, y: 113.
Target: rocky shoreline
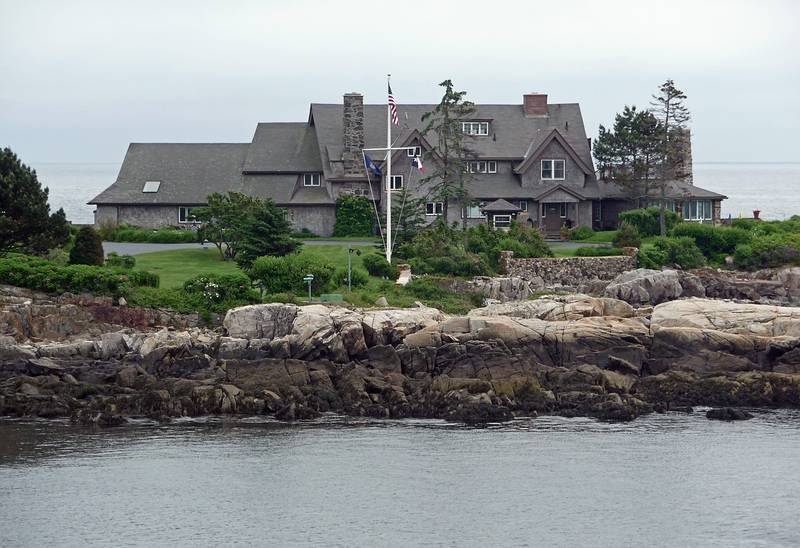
x: 649, y: 348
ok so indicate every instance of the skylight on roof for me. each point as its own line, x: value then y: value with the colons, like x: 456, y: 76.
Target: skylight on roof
x: 151, y: 186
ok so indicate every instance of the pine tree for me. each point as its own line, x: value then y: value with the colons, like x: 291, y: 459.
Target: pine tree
x: 25, y: 219
x: 449, y: 159
x: 88, y: 248
x: 268, y: 232
x: 673, y: 115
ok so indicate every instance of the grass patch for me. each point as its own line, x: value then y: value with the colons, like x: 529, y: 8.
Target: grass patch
x: 178, y: 265
x: 600, y: 237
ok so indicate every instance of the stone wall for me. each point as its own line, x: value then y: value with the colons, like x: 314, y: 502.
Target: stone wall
x: 566, y: 271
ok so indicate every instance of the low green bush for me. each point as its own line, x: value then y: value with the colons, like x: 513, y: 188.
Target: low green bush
x: 376, y: 265
x: 355, y: 216
x: 768, y: 251
x: 715, y: 242
x: 285, y: 274
x: 221, y: 288
x: 646, y: 220
x: 127, y: 233
x: 125, y: 262
x: 358, y: 277
x: 304, y: 234
x: 669, y: 251
x: 598, y: 252
x: 581, y: 233
x: 39, y: 274
x: 287, y: 298
x: 627, y: 236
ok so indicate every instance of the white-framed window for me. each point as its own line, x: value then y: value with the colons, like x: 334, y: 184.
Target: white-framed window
x: 185, y: 215
x: 151, y: 186
x: 562, y: 210
x: 311, y: 179
x: 523, y: 205
x: 414, y: 152
x: 502, y: 221
x: 544, y: 210
x: 475, y: 128
x: 482, y: 166
x: 474, y: 211
x: 396, y: 182
x: 697, y: 210
x: 434, y: 209
x: 552, y: 170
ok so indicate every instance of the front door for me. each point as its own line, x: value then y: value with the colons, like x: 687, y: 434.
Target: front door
x: 552, y: 219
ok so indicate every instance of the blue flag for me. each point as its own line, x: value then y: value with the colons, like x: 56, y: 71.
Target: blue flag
x: 372, y: 166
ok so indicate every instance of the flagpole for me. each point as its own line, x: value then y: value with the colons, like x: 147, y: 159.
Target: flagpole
x: 388, y: 175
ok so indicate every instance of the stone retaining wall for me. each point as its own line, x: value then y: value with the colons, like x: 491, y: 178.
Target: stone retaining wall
x: 567, y: 271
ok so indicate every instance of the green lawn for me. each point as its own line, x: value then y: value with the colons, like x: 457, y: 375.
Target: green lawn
x: 178, y: 265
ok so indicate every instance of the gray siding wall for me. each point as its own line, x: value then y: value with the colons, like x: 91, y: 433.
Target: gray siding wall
x: 145, y: 216
x: 573, y: 175
x: 318, y: 219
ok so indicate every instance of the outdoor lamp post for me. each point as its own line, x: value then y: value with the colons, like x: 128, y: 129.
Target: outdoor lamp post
x: 308, y: 279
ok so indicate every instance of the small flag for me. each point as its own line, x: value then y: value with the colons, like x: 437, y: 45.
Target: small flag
x: 372, y: 166
x: 393, y: 108
x: 417, y: 163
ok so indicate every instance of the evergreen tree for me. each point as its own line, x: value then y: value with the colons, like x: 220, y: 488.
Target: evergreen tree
x: 268, y: 232
x: 408, y: 216
x: 449, y: 159
x: 25, y: 219
x: 355, y: 216
x: 225, y: 220
x: 673, y: 115
x: 88, y: 248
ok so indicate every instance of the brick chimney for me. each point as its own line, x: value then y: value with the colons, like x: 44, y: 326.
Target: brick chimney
x: 353, y: 133
x: 535, y: 104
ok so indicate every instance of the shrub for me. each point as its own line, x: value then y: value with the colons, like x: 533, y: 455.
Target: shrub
x: 42, y: 275
x: 285, y: 274
x: 581, y: 233
x: 355, y: 216
x: 667, y: 251
x: 288, y: 298
x: 358, y: 277
x: 58, y: 255
x: 713, y: 241
x: 768, y: 251
x: 627, y: 236
x: 127, y: 233
x: 88, y: 248
x: 376, y: 265
x: 598, y: 252
x: 304, y: 234
x: 646, y: 220
x: 125, y: 262
x: 220, y: 291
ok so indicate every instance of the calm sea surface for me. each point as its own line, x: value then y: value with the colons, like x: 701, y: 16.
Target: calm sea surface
x: 663, y: 480
x: 772, y: 188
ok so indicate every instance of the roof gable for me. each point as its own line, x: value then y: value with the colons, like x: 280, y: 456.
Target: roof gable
x: 531, y: 156
x: 283, y: 147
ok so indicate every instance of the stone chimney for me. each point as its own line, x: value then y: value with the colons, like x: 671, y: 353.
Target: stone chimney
x: 353, y: 133
x: 535, y: 104
x: 682, y: 168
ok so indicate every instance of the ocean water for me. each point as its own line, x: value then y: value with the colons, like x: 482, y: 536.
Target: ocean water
x: 772, y: 188
x: 663, y: 480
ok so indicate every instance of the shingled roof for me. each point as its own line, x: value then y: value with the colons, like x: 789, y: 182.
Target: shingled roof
x: 188, y: 172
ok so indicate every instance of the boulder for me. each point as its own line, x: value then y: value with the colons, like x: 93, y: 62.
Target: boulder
x: 645, y: 286
x: 558, y: 307
x: 261, y: 321
x: 729, y: 317
x: 728, y: 414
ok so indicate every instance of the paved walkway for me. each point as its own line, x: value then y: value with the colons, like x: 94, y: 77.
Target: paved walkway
x: 132, y: 248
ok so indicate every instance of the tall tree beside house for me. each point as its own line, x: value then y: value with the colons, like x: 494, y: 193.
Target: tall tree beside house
x: 628, y: 153
x: 448, y: 175
x: 673, y: 115
x: 25, y: 219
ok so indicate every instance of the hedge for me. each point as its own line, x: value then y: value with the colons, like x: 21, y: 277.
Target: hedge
x: 666, y: 251
x: 713, y: 241
x: 127, y: 233
x: 646, y: 220
x: 41, y: 275
x: 285, y: 274
x: 598, y: 252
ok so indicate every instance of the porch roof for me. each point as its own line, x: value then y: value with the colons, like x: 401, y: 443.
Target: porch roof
x: 501, y: 206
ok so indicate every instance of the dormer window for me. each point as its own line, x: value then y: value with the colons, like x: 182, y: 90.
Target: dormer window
x: 414, y: 152
x: 482, y: 166
x: 151, y: 186
x: 552, y: 170
x: 475, y: 128
x: 311, y: 179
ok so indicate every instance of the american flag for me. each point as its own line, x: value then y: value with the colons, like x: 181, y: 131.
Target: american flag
x: 393, y: 108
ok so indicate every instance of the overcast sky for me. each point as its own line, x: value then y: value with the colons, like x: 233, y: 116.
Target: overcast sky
x: 79, y: 80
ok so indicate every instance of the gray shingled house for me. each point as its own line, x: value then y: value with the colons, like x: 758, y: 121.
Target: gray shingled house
x: 532, y: 162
